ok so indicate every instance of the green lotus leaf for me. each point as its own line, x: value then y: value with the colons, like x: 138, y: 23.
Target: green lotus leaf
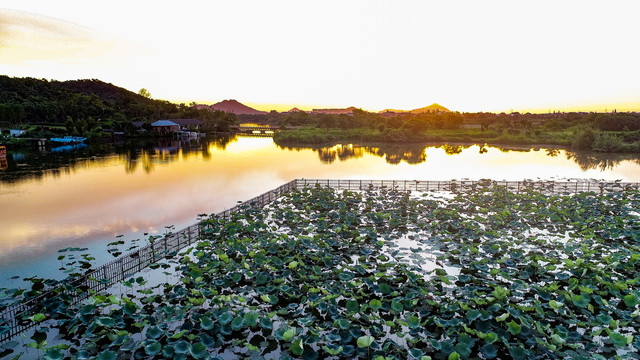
x: 225, y: 317
x: 297, y: 347
x: 198, y: 350
x: 37, y: 317
x: 105, y: 321
x: 54, y: 354
x: 630, y: 300
x: 413, y: 321
x: 179, y: 334
x: 153, y: 348
x: 344, y: 324
x: 384, y: 288
x: 489, y: 351
x: 289, y: 334
x: 397, y: 306
x: 416, y: 353
x: 181, y: 347
x: 237, y: 323
x: 129, y: 308
x: 620, y: 340
x: 87, y: 309
x: 251, y: 318
x: 206, y: 323
x: 305, y: 321
x: 555, y: 304
x: 266, y: 323
x: 346, y: 276
x: 604, y: 318
x: 352, y: 306
x: 365, y: 341
x: 580, y: 300
x: 472, y: 314
x: 518, y: 352
x: 332, y: 349
x: 514, y: 328
x: 154, y: 332
x: 107, y: 355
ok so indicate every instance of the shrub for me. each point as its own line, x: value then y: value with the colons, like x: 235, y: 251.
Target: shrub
x: 607, y: 142
x: 584, y: 140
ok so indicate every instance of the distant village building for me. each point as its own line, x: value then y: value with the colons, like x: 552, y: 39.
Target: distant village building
x: 347, y: 111
x: 187, y: 124
x: 165, y: 127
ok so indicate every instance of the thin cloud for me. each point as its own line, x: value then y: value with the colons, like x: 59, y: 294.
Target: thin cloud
x: 27, y: 38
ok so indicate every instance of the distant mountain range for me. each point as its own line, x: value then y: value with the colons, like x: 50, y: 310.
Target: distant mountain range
x: 233, y: 106
x: 431, y: 108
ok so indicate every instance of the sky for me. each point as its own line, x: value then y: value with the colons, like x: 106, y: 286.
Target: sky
x: 465, y: 55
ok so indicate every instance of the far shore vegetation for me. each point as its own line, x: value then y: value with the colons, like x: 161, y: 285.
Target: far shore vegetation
x: 602, y: 132
x: 98, y: 110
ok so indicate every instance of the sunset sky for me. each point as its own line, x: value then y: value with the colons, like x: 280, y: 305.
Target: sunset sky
x: 465, y: 55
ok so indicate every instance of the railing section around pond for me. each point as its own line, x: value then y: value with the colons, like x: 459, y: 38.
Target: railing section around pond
x: 15, y: 320
x: 555, y: 187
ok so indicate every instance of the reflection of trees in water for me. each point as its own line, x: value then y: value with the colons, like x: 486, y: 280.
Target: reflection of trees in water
x: 553, y: 152
x: 221, y: 141
x: 392, y: 153
x: 35, y: 164
x: 600, y: 161
x: 415, y: 153
x: 328, y: 155
x: 165, y: 151
x: 454, y: 149
x: 38, y: 164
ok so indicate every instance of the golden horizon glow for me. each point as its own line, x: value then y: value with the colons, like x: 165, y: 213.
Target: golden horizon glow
x: 468, y: 56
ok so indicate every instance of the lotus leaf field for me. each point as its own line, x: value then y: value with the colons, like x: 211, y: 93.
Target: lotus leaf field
x: 480, y: 273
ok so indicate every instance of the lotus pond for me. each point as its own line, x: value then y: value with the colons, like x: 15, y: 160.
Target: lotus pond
x: 482, y: 273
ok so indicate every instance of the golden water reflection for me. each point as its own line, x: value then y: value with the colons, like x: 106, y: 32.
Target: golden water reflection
x: 48, y: 202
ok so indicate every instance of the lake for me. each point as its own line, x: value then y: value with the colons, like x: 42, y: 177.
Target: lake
x: 84, y: 197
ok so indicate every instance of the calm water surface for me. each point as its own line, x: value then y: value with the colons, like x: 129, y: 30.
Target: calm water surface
x: 85, y: 197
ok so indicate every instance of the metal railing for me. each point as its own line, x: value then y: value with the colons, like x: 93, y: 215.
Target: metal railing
x: 102, y: 277
x: 555, y: 187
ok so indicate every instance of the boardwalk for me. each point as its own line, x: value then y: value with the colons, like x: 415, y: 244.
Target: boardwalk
x: 14, y: 319
x: 255, y: 129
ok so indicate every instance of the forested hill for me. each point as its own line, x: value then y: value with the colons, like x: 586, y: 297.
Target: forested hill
x: 88, y: 107
x: 103, y: 90
x: 28, y: 100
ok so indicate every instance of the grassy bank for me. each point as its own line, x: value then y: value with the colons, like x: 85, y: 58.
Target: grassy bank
x: 575, y: 138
